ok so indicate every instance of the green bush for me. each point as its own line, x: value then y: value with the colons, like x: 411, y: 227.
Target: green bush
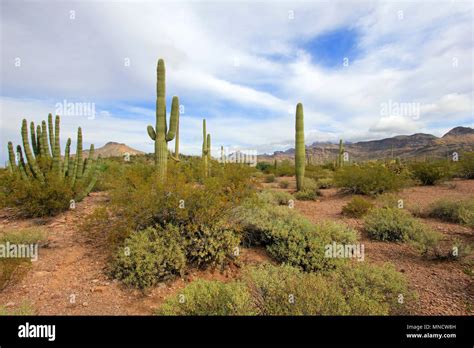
x: 291, y: 238
x: 466, y: 165
x: 149, y: 256
x: 357, y: 207
x: 204, y: 297
x: 36, y: 199
x: 368, y: 179
x: 13, y: 269
x: 309, y: 192
x: 284, y: 184
x: 284, y: 290
x: 275, y: 197
x: 430, y: 173
x: 393, y: 224
x: 325, y: 183
x: 270, y: 178
x: 461, y: 212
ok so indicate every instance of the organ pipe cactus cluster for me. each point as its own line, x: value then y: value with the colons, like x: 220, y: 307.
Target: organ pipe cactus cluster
x: 161, y: 134
x: 43, y: 159
x: 206, y: 148
x: 299, y: 147
x: 340, y: 157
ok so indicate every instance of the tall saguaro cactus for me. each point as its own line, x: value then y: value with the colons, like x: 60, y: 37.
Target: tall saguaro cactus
x: 206, y: 148
x: 340, y: 157
x: 299, y: 147
x: 51, y: 163
x: 161, y: 134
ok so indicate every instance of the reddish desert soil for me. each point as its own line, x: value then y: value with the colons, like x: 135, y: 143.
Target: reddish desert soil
x: 72, y: 265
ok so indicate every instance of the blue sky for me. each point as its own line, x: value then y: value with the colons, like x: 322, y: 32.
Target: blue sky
x: 241, y: 65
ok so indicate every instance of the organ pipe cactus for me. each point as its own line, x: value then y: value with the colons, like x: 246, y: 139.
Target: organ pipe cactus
x: 299, y: 147
x: 161, y: 134
x: 206, y: 148
x: 81, y: 177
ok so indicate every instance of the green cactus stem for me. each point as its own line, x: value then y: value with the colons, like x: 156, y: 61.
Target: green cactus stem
x: 340, y: 158
x: 161, y: 134
x: 206, y: 140
x: 35, y: 169
x: 299, y: 147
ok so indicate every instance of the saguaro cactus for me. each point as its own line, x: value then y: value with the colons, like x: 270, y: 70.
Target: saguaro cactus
x: 161, y: 134
x: 30, y: 170
x: 299, y: 147
x: 206, y: 148
x: 340, y: 158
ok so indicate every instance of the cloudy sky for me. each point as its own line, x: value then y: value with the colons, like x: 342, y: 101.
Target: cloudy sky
x: 363, y: 70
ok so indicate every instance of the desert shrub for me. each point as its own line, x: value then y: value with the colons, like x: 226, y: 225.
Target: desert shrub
x: 325, y: 183
x: 283, y: 184
x: 266, y: 289
x: 264, y: 167
x: 368, y: 179
x: 430, y: 173
x: 285, y: 290
x: 24, y: 308
x: 466, y: 165
x: 318, y: 172
x: 149, y: 256
x: 204, y: 297
x: 270, y: 178
x: 309, y: 192
x: 373, y: 290
x: 357, y: 207
x: 31, y: 198
x: 291, y: 238
x: 461, y: 212
x: 13, y: 269
x: 275, y: 197
x: 393, y: 224
x: 213, y: 245
x: 284, y: 168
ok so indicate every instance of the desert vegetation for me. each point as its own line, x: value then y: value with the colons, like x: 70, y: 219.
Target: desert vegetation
x: 165, y: 218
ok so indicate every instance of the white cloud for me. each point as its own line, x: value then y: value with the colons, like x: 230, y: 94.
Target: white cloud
x: 237, y: 60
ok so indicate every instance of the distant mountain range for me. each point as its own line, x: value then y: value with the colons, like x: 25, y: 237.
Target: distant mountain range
x: 419, y: 145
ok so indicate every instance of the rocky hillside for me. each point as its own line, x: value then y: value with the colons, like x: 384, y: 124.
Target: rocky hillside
x: 418, y: 145
x: 113, y: 149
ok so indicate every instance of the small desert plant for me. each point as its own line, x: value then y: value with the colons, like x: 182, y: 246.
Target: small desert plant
x: 283, y: 184
x: 270, y: 178
x: 430, y: 173
x: 368, y: 179
x: 12, y: 269
x: 25, y: 308
x: 397, y: 225
x: 325, y: 183
x: 466, y: 165
x: 284, y: 290
x: 275, y: 197
x: 357, y: 207
x: 149, y: 256
x: 205, y: 297
x: 309, y: 192
x: 291, y: 238
x: 461, y: 212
